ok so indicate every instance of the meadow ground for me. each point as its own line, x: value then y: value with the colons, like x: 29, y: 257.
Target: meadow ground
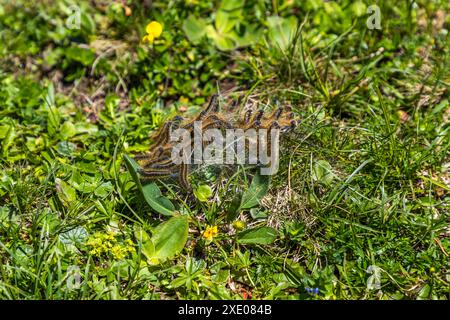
x: 358, y: 210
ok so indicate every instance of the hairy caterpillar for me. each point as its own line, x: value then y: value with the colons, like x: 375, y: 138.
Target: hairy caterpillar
x: 158, y: 164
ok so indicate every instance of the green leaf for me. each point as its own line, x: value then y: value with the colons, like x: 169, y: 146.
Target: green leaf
x: 146, y: 244
x: 104, y: 189
x: 168, y: 239
x: 66, y: 148
x: 228, y: 15
x: 232, y: 6
x: 67, y: 130
x: 424, y: 293
x: 8, y: 139
x: 257, y: 190
x: 132, y: 167
x: 322, y: 172
x: 4, y: 129
x: 256, y: 213
x: 262, y: 235
x: 224, y: 23
x: 234, y: 207
x: 282, y: 30
x: 152, y: 194
x: 66, y: 193
x: 84, y: 56
x: 82, y: 127
x: 203, y: 193
x: 112, y: 102
x: 251, y: 36
x: 195, y: 28
x: 50, y: 96
x: 53, y: 114
x: 74, y: 236
x: 359, y: 8
x: 222, y: 42
x: 87, y: 23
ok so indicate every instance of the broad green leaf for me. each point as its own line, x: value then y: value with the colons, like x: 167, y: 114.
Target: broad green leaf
x: 231, y: 5
x: 88, y: 23
x: 222, y: 42
x: 262, y: 235
x: 251, y: 36
x: 66, y: 148
x: 133, y: 167
x: 195, y: 28
x: 84, y: 56
x: 256, y: 213
x: 66, y: 193
x: 67, y: 130
x: 424, y: 293
x: 74, y: 236
x: 4, y: 129
x: 282, y: 30
x: 257, y: 190
x: 228, y: 15
x: 82, y: 127
x: 322, y: 172
x: 141, y: 235
x: 169, y: 239
x: 224, y: 22
x: 88, y: 167
x: 152, y: 194
x: 104, y: 189
x: 8, y: 139
x: 233, y: 208
x: 203, y: 193
x: 145, y: 242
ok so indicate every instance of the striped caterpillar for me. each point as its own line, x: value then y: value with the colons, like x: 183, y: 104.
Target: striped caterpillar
x: 158, y: 162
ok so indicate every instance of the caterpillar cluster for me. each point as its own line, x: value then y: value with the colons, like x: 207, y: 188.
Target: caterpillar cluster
x: 158, y: 164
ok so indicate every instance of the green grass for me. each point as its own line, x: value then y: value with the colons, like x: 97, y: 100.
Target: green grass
x: 362, y: 193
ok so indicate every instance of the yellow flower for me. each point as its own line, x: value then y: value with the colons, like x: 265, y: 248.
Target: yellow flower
x: 210, y: 233
x: 239, y: 225
x: 154, y: 30
x: 107, y: 243
x: 183, y: 99
x: 148, y: 38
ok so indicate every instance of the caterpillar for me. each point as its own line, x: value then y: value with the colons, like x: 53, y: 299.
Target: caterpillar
x: 157, y: 162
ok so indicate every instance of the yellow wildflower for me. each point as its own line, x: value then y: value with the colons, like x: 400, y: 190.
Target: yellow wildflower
x: 239, y: 225
x: 154, y: 30
x: 103, y: 244
x: 210, y: 233
x: 183, y: 99
x: 120, y: 252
